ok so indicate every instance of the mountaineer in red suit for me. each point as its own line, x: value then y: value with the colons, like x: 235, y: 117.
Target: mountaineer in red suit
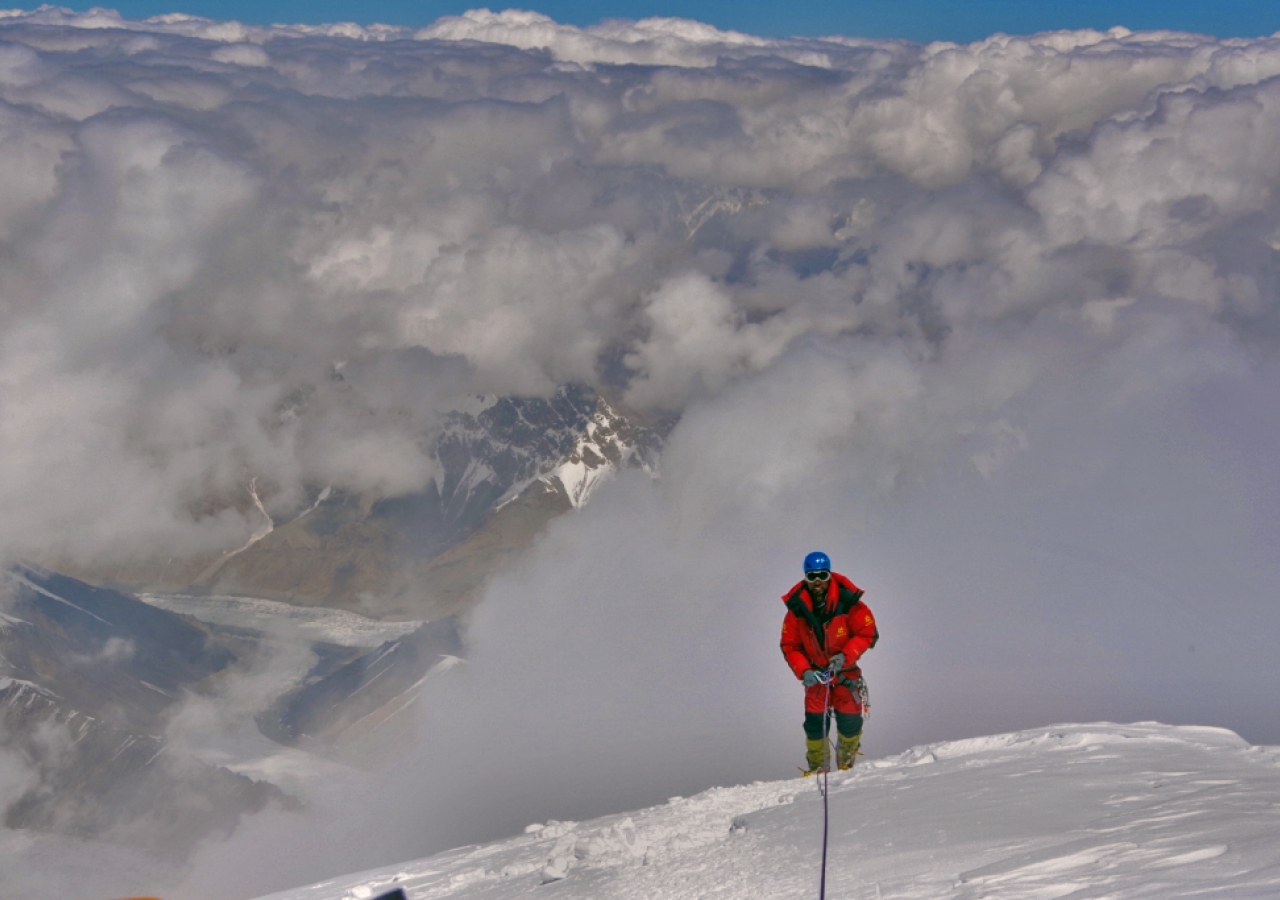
x: 826, y: 629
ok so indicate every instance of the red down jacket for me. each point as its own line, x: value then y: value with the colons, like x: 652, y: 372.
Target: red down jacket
x: 842, y: 624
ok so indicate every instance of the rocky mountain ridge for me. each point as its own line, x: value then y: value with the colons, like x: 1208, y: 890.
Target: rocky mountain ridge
x: 103, y: 672
x: 506, y: 467
x: 88, y: 678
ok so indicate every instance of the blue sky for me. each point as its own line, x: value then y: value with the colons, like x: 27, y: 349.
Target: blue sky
x: 914, y: 19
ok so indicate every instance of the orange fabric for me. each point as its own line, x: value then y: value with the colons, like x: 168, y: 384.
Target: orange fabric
x: 851, y: 634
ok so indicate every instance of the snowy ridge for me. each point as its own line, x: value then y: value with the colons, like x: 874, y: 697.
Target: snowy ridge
x: 20, y: 691
x: 605, y: 445
x: 31, y: 585
x: 258, y: 533
x: 19, y: 698
x: 403, y: 701
x: 497, y: 452
x: 1101, y: 810
x: 478, y: 473
x: 574, y: 456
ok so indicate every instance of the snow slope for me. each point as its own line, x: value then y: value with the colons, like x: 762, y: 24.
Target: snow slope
x: 1081, y: 811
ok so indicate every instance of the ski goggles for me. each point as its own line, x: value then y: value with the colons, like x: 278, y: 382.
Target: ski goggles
x: 819, y: 575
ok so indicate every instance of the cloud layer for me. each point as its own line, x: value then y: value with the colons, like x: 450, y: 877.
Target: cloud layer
x: 205, y: 221
x: 995, y: 325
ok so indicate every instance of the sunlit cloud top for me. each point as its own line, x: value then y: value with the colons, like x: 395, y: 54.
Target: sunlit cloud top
x: 206, y: 221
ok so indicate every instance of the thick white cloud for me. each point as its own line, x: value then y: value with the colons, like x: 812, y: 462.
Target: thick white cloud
x: 204, y: 219
x: 698, y: 341
x: 664, y: 41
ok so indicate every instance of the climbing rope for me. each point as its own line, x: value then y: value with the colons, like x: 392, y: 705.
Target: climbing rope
x: 825, y: 679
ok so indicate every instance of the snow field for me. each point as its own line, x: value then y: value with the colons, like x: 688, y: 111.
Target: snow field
x: 1080, y: 811
x: 312, y: 623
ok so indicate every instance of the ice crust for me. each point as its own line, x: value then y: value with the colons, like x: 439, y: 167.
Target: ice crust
x: 1086, y: 811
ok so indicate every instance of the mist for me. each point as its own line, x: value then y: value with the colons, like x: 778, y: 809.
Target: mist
x: 994, y: 325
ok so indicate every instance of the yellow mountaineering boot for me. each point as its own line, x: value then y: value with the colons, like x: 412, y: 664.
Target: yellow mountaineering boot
x: 847, y: 750
x: 815, y: 755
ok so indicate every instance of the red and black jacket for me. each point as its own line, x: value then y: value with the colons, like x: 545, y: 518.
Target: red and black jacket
x: 840, y: 623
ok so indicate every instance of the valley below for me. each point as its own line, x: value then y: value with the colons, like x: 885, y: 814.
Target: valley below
x: 154, y: 703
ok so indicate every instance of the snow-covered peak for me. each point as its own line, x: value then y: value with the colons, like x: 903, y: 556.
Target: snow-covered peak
x: 492, y: 450
x: 1121, y: 811
x: 608, y: 443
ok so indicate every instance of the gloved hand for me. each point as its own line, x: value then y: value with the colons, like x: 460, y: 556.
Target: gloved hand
x: 837, y: 663
x: 810, y: 678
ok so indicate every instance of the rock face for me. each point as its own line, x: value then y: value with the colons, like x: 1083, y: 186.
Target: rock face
x: 345, y: 709
x: 87, y: 677
x: 100, y: 651
x: 507, y: 467
x: 90, y: 675
x: 607, y: 442
x: 91, y: 779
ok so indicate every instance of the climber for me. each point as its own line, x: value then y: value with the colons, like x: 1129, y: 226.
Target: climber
x: 826, y: 630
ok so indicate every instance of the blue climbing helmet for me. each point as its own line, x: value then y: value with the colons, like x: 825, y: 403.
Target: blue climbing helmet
x: 816, y: 561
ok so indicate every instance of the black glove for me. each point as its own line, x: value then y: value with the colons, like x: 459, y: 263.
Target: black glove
x: 837, y: 663
x: 810, y: 678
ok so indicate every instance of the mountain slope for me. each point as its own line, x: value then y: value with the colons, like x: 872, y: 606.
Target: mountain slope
x: 359, y: 697
x: 102, y: 652
x: 1086, y: 811
x: 505, y: 468
x: 95, y: 780
x: 88, y: 677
